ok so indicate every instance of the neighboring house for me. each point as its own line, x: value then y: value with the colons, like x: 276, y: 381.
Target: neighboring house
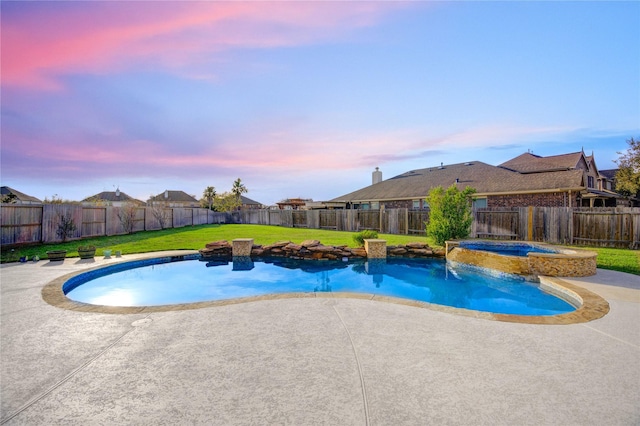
x: 115, y: 198
x: 293, y: 203
x: 173, y: 199
x: 610, y: 179
x: 10, y: 195
x: 569, y: 180
x: 249, y: 204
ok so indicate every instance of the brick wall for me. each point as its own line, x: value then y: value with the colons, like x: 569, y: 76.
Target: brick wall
x: 551, y: 199
x: 402, y: 204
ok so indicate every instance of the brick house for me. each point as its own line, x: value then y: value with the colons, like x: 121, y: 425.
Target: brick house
x: 568, y: 180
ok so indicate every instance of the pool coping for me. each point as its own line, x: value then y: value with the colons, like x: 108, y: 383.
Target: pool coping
x: 590, y: 306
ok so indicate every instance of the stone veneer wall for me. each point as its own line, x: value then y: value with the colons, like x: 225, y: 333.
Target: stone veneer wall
x: 376, y: 249
x: 563, y: 265
x: 509, y: 264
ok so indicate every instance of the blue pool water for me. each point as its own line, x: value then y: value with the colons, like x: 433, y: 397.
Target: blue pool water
x: 509, y: 249
x: 163, y: 281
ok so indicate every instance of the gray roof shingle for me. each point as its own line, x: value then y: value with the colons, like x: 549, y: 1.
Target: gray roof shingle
x: 483, y: 177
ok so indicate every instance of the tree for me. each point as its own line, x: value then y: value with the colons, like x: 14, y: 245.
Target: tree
x: 9, y: 198
x: 209, y: 195
x: 238, y: 189
x: 127, y: 216
x: 66, y: 226
x: 226, y: 202
x: 628, y: 175
x: 450, y: 214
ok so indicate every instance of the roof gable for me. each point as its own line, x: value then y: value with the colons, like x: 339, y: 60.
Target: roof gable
x: 248, y: 201
x: 174, y: 196
x: 20, y: 196
x: 111, y: 196
x: 530, y: 163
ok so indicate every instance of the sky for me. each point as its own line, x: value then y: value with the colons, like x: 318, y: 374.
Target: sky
x: 304, y: 99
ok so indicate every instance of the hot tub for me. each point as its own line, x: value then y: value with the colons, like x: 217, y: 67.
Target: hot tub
x: 528, y: 259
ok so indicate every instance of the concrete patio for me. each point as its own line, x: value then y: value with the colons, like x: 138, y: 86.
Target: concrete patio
x: 300, y: 361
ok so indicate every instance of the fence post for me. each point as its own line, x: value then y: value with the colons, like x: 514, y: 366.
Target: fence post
x: 530, y: 224
x: 406, y: 221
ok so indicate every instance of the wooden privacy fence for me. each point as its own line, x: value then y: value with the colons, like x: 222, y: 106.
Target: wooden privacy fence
x: 604, y: 227
x: 607, y: 227
x: 25, y: 224
x: 388, y: 221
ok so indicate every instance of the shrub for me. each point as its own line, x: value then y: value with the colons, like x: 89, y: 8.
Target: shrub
x: 364, y: 235
x: 66, y: 226
x: 450, y: 214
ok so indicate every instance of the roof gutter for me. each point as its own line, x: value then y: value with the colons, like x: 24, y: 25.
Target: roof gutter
x: 532, y: 191
x: 477, y: 194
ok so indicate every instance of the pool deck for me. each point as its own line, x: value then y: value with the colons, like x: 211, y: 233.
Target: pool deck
x: 300, y: 361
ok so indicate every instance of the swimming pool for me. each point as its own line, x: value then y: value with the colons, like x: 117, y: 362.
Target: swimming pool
x: 527, y: 259
x: 164, y: 281
x: 506, y: 248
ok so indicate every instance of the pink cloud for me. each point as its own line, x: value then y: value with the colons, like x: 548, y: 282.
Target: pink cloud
x: 101, y: 37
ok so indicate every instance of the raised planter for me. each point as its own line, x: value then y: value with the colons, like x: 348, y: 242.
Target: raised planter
x: 87, y: 252
x: 55, y: 255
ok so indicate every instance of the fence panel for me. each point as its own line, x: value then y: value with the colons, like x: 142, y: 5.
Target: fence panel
x: 20, y: 224
x: 498, y: 223
x: 299, y: 219
x: 182, y: 217
x: 368, y: 219
x: 53, y: 214
x: 394, y: 221
x: 201, y: 216
x: 417, y: 220
x: 606, y: 228
x: 346, y: 220
x: 93, y: 221
x: 275, y: 217
x: 158, y: 217
x: 558, y: 225
x: 313, y: 219
x: 328, y: 219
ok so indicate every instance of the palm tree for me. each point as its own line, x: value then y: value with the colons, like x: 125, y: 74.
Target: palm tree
x: 238, y: 189
x: 209, y: 194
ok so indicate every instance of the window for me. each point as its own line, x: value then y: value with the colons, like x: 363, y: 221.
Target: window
x: 375, y: 205
x: 416, y: 204
x: 364, y: 206
x: 480, y: 203
x: 590, y: 182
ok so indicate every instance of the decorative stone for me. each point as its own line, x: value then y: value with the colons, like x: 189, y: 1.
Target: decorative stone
x: 310, y: 243
x: 242, y: 247
x: 375, y: 248
x: 309, y: 249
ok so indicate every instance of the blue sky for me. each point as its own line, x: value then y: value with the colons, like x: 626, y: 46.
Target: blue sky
x: 304, y: 99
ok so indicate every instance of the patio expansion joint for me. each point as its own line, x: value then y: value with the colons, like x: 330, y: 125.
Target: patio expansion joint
x: 69, y: 376
x: 355, y: 353
x: 610, y: 336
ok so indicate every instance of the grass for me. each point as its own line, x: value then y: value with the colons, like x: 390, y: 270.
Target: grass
x: 618, y: 259
x: 196, y: 237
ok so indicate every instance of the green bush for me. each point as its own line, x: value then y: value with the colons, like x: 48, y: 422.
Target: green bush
x: 450, y: 214
x: 367, y: 234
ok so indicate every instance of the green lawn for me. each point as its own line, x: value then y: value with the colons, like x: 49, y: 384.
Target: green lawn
x: 196, y: 237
